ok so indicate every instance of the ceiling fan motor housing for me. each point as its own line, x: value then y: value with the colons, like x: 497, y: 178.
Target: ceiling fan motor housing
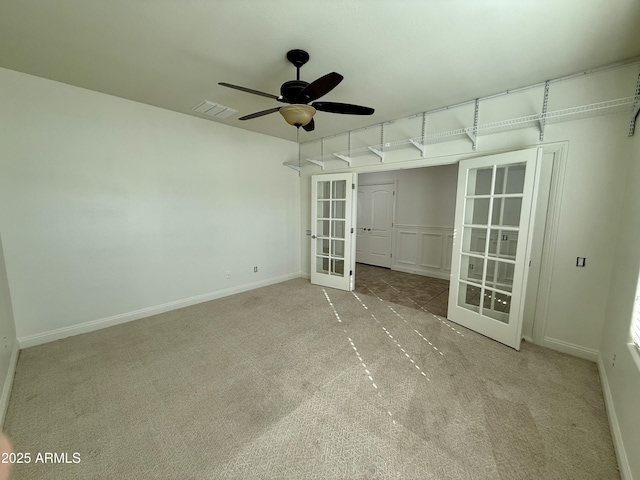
x: 290, y: 91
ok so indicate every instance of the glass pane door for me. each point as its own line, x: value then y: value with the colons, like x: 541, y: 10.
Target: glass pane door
x: 332, y: 213
x: 492, y: 223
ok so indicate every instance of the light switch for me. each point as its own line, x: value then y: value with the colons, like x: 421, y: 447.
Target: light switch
x: 581, y: 262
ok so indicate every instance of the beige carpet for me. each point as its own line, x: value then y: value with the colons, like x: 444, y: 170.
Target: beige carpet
x: 293, y: 381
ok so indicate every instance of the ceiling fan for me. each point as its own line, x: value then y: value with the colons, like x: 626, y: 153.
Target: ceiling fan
x: 298, y: 94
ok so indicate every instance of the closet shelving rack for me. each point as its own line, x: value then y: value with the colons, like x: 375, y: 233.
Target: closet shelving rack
x: 626, y: 105
x: 610, y: 107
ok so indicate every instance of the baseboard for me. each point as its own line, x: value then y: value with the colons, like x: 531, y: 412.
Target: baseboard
x: 423, y: 272
x: 571, y: 348
x: 90, y: 326
x: 8, y: 382
x: 618, y: 445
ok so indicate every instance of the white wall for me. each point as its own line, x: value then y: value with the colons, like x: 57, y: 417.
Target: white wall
x: 621, y: 378
x: 590, y: 199
x: 8, y: 341
x: 425, y: 196
x: 112, y: 210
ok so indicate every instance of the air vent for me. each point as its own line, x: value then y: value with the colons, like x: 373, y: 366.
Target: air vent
x: 214, y: 109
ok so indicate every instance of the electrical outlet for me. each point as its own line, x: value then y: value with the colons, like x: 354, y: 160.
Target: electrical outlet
x: 255, y: 269
x: 613, y: 361
x: 228, y: 275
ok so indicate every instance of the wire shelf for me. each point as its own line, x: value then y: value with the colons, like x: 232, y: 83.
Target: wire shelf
x: 609, y: 107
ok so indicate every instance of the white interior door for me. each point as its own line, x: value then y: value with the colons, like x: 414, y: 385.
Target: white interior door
x: 491, y: 242
x: 333, y: 203
x: 374, y: 224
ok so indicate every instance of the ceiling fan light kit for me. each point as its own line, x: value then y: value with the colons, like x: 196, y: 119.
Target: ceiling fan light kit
x: 298, y: 94
x: 298, y: 115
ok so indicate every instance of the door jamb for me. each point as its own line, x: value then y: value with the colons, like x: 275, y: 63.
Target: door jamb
x: 550, y: 239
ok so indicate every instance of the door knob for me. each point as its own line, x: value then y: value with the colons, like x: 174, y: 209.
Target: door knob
x: 313, y: 236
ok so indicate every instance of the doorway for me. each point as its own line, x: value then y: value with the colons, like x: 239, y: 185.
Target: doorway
x: 420, y: 270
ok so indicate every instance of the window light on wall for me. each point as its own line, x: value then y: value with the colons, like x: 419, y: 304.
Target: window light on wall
x: 635, y: 321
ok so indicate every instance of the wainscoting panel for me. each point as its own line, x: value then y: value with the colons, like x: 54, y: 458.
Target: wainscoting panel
x: 431, y: 250
x: 406, y: 247
x: 423, y: 249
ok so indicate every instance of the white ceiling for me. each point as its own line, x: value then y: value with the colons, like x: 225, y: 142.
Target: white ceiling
x: 400, y: 57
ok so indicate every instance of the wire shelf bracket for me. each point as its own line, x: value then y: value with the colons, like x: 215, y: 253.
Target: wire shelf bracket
x: 292, y: 167
x: 344, y: 158
x: 418, y: 145
x: 636, y: 109
x: 320, y: 163
x: 379, y: 153
x: 545, y: 103
x: 472, y: 136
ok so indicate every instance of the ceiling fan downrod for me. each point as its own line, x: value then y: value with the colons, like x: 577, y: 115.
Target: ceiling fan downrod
x: 298, y: 58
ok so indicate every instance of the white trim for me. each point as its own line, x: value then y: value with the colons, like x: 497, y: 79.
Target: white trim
x: 8, y: 382
x: 616, y: 435
x: 423, y: 272
x: 570, y: 348
x: 93, y: 325
x: 550, y: 240
x: 423, y: 227
x: 635, y: 355
x: 527, y: 255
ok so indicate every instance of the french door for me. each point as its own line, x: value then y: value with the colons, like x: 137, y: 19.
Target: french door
x: 491, y: 243
x: 333, y: 203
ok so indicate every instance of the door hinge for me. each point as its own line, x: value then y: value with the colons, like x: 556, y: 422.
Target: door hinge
x: 351, y: 229
x: 394, y: 193
x: 350, y: 273
x: 353, y: 186
x: 391, y: 255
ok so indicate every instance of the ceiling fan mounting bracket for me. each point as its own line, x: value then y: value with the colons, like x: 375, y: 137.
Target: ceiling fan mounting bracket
x: 297, y: 57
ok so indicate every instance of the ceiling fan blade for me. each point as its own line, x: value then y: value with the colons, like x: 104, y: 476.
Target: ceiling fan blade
x: 259, y: 114
x: 309, y: 127
x: 344, y: 108
x: 249, y: 90
x: 320, y: 87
